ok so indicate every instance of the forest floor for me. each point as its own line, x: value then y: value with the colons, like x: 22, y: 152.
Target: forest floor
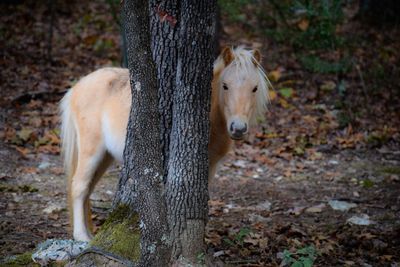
x: 274, y: 199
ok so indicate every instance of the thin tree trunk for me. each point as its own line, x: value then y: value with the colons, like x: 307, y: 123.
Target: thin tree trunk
x: 141, y: 185
x: 187, y: 181
x: 183, y: 43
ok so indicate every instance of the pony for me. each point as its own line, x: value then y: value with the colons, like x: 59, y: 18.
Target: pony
x: 95, y: 113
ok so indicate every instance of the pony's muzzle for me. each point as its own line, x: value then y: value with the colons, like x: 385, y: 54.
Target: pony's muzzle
x: 237, y: 129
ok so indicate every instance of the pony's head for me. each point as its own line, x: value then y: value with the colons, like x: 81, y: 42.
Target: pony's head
x: 243, y: 88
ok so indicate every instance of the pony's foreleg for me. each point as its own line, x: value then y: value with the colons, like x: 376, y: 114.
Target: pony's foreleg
x: 82, y: 183
x: 213, y: 167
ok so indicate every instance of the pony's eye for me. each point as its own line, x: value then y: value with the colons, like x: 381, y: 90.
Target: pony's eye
x: 225, y: 86
x: 255, y: 89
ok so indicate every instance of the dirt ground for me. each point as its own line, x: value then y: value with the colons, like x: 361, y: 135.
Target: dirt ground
x: 271, y: 200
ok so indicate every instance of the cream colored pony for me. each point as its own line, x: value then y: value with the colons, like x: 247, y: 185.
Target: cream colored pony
x: 95, y: 116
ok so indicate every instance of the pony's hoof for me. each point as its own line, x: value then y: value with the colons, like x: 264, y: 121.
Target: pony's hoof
x: 83, y: 237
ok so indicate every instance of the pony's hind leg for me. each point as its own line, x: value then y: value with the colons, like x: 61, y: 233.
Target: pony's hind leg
x: 102, y: 167
x: 81, y: 185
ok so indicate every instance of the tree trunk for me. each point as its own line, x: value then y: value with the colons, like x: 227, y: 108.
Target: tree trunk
x: 141, y: 185
x: 187, y: 181
x: 183, y: 44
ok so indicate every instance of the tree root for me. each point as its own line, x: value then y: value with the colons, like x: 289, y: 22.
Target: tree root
x: 94, y: 256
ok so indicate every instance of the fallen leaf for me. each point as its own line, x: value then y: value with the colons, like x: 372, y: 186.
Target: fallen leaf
x: 296, y: 210
x: 213, y: 238
x: 244, y: 252
x: 52, y: 208
x: 24, y: 134
x: 275, y: 75
x: 367, y: 236
x: 258, y: 219
x: 328, y: 86
x: 283, y: 103
x: 24, y: 151
x: 386, y: 257
x: 316, y: 209
x: 298, y: 151
x: 251, y: 240
x: 265, y: 206
x: 303, y: 24
x: 54, y: 216
x: 30, y: 170
x: 272, y: 95
x: 263, y: 243
x: 287, y: 173
x: 286, y: 92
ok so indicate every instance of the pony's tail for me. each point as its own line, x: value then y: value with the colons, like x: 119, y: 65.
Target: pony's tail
x: 69, y: 146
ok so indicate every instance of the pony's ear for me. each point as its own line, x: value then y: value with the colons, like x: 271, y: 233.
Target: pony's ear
x: 256, y: 56
x: 227, y: 55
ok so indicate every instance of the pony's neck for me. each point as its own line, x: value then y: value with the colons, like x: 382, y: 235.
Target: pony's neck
x: 220, y: 141
x: 218, y: 120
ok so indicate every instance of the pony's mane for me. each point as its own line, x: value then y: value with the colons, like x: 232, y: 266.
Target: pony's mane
x: 245, y: 61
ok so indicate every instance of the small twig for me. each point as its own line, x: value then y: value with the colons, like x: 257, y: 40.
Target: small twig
x: 107, y: 255
x: 243, y: 262
x: 364, y: 87
x: 358, y: 201
x: 50, y: 3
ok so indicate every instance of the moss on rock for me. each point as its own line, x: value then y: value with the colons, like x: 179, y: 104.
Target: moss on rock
x: 120, y: 234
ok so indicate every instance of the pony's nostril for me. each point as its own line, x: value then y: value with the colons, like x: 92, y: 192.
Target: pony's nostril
x: 231, y: 127
x: 240, y: 130
x: 245, y: 128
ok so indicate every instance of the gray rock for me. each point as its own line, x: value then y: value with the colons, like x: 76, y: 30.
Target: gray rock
x: 363, y: 219
x: 53, y: 208
x: 44, y: 165
x: 341, y: 205
x: 58, y: 250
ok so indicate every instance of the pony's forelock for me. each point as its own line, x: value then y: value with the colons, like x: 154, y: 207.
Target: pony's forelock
x: 244, y: 60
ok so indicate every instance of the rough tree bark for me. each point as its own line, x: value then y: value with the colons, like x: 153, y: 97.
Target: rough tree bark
x: 164, y: 44
x: 183, y: 44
